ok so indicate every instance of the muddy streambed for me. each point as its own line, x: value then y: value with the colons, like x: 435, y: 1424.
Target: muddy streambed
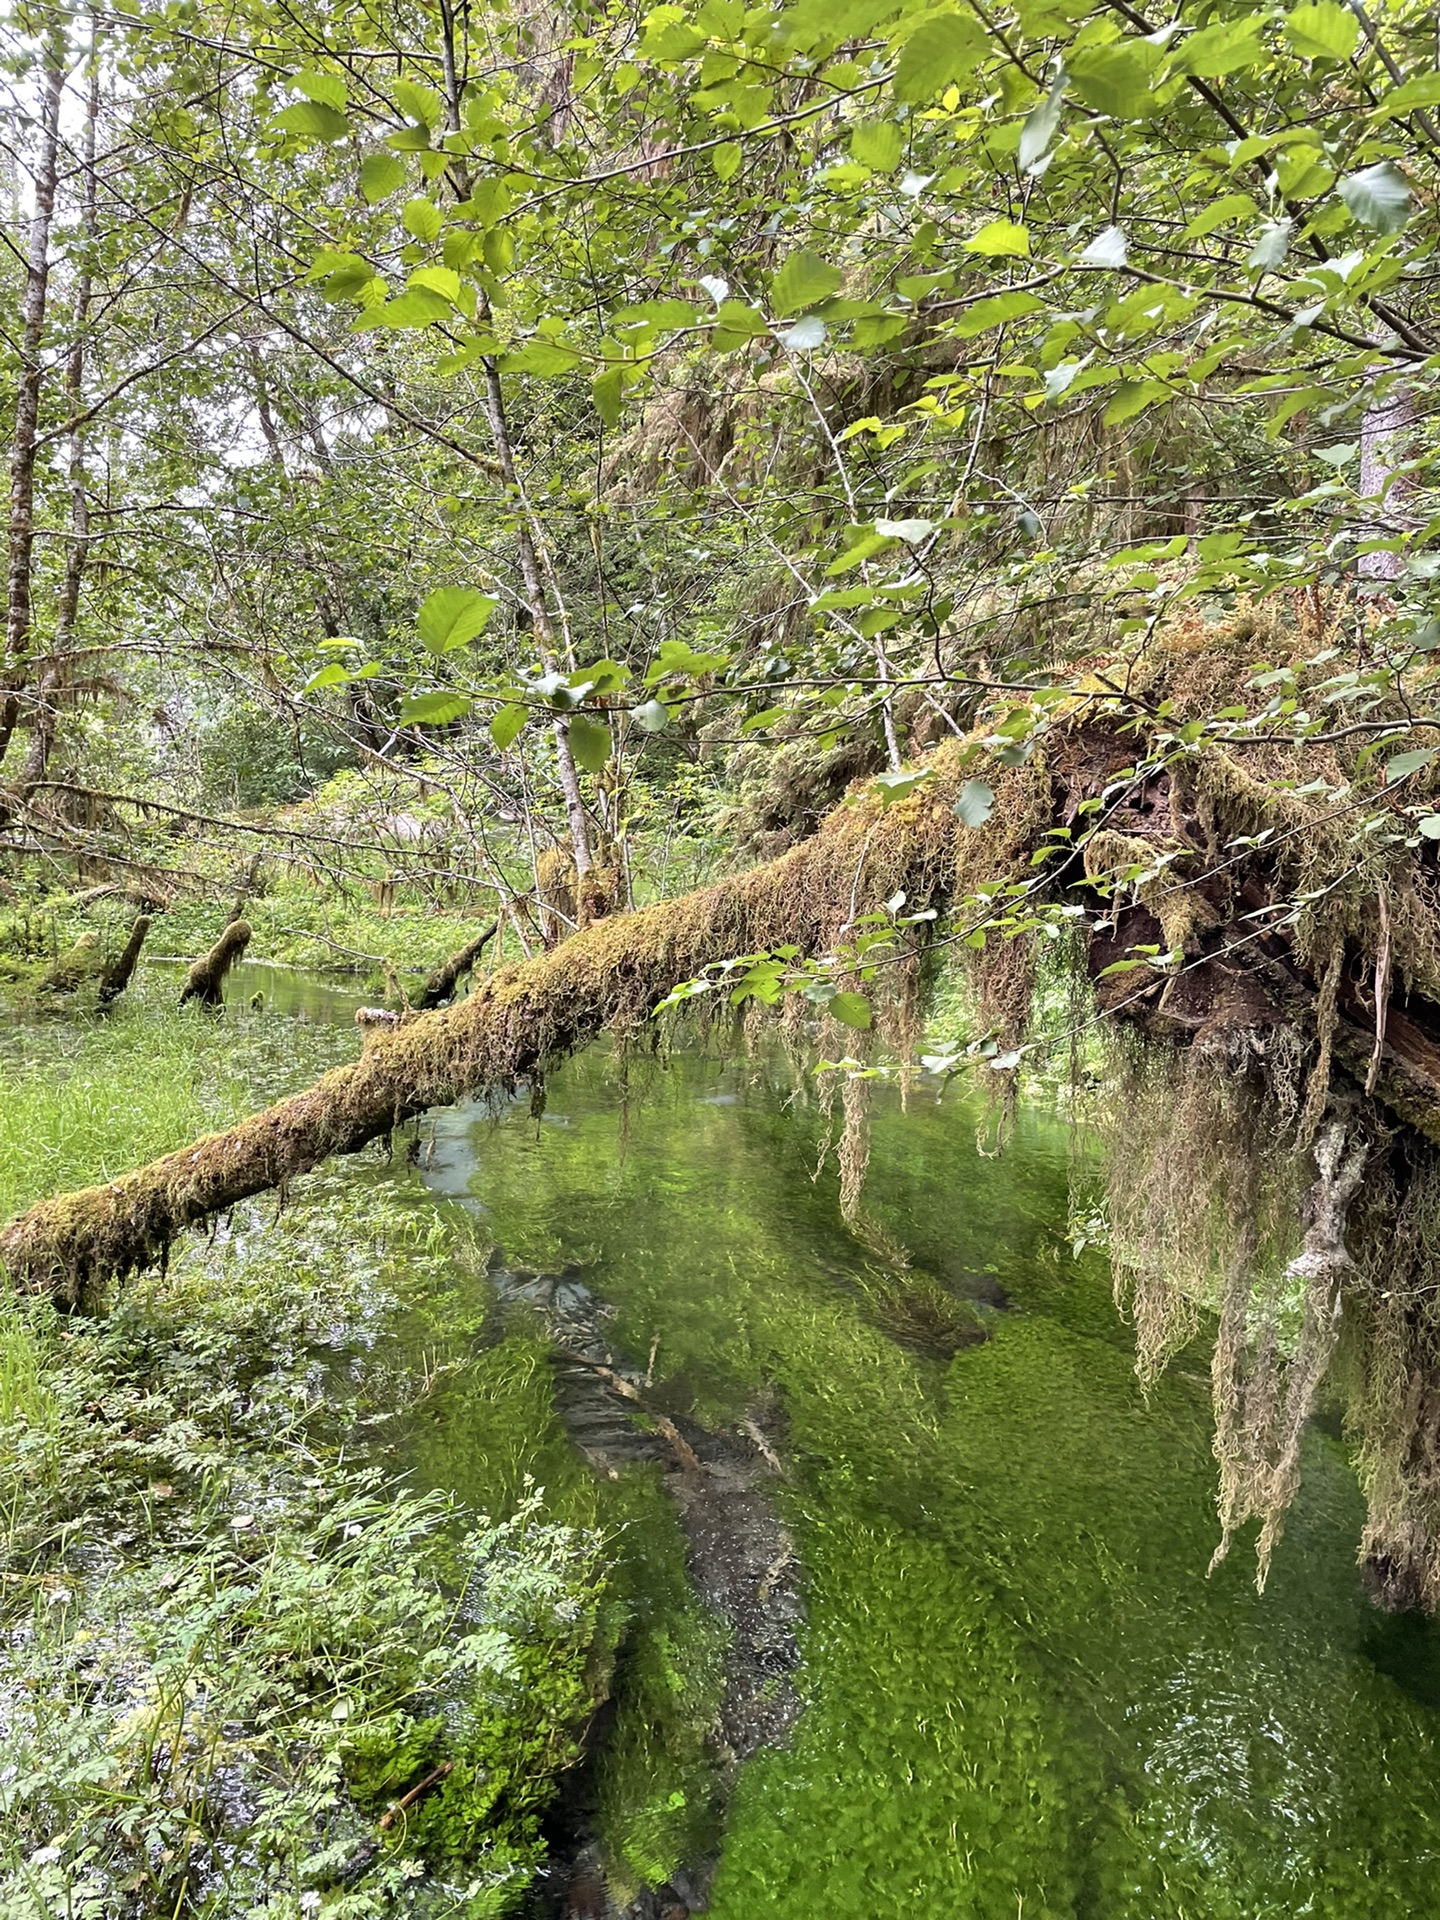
x: 920, y: 1572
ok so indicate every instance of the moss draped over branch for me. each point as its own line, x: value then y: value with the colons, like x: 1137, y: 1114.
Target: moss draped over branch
x: 513, y: 1025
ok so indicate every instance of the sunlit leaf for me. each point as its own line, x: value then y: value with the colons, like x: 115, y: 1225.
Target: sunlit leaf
x: 381, y: 174
x: 1379, y: 197
x: 850, y: 1009
x: 451, y: 616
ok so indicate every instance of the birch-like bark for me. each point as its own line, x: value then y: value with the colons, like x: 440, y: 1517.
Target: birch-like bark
x: 534, y: 564
x: 1383, y: 428
x: 77, y: 554
x: 32, y: 377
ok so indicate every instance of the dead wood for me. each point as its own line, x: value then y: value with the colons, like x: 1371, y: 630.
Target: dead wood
x: 118, y: 975
x: 442, y: 983
x: 206, y: 979
x: 74, y: 968
x: 518, y: 1021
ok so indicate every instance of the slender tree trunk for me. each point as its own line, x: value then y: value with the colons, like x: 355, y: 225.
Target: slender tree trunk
x: 32, y: 376
x: 534, y: 562
x: 77, y: 554
x: 1384, y: 426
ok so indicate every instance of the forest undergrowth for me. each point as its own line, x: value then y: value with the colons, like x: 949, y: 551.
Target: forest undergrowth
x: 234, y: 1640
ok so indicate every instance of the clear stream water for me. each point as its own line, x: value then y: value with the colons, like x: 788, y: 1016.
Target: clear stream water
x: 1023, y: 1698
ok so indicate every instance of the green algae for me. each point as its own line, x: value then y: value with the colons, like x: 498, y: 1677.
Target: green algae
x: 1024, y: 1699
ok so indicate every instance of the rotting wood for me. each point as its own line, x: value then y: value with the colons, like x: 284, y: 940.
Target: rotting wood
x: 206, y: 979
x: 121, y: 971
x: 516, y: 1022
x: 442, y: 983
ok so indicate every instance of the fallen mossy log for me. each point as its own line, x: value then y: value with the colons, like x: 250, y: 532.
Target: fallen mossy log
x: 516, y: 1023
x: 206, y: 979
x: 121, y: 971
x: 442, y: 983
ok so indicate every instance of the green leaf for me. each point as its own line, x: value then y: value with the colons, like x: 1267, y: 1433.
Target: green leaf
x: 505, y: 727
x: 1324, y: 31
x: 994, y: 312
x: 677, y: 656
x: 1132, y: 397
x: 546, y: 357
x: 328, y: 89
x: 890, y: 787
x: 974, y: 804
x: 1272, y: 243
x: 380, y: 175
x: 422, y: 104
x: 589, y: 742
x: 733, y: 316
x: 653, y: 716
x: 850, y: 1009
x: 1222, y: 212
x: 1406, y: 763
x: 422, y: 218
x: 1429, y: 826
x: 669, y: 36
x: 1378, y: 198
x: 726, y: 160
x: 942, y: 50
x: 999, y: 240
x: 605, y: 390
x: 1224, y: 48
x: 1038, y: 133
x: 1112, y: 80
x: 417, y: 308
x: 333, y: 675
x: 451, y: 616
x: 803, y: 281
x: 433, y: 709
x: 442, y: 280
x: 878, y: 144
x: 311, y: 120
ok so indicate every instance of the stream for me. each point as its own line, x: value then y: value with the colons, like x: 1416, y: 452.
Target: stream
x: 954, y: 1653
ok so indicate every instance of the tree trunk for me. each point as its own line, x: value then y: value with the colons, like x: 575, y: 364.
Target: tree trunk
x: 442, y: 983
x: 514, y: 1025
x: 77, y: 554
x: 206, y: 979
x: 32, y: 374
x: 121, y: 971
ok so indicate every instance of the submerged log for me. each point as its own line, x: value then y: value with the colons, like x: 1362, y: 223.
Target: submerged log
x: 442, y: 983
x: 118, y: 975
x: 517, y: 1022
x: 206, y: 979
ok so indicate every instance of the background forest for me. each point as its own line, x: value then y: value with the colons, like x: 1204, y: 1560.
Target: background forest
x: 917, y: 517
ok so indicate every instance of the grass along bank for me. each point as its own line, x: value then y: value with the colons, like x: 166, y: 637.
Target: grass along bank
x: 234, y: 1640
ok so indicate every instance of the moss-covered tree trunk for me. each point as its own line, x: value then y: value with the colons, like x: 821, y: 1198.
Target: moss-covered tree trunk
x: 515, y: 1024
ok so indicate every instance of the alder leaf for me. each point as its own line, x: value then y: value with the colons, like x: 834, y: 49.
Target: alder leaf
x: 381, y: 174
x: 803, y: 281
x: 974, y: 804
x: 850, y: 1009
x: 1379, y: 198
